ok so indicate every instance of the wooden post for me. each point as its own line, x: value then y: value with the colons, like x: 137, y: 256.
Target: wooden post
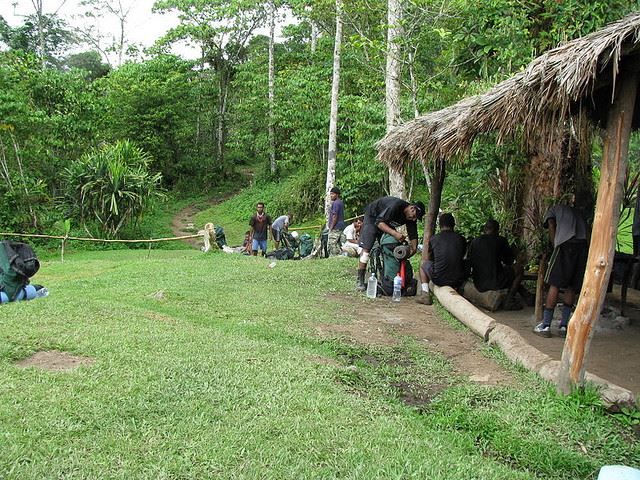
x: 435, y: 198
x: 603, y: 235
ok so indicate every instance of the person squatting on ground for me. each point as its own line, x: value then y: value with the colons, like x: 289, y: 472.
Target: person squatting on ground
x: 280, y: 224
x: 445, y: 265
x: 351, y: 246
x: 568, y: 231
x: 384, y: 215
x: 260, y: 225
x: 336, y: 224
x: 492, y: 264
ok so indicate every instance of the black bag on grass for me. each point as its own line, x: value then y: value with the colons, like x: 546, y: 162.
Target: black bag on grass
x: 18, y: 263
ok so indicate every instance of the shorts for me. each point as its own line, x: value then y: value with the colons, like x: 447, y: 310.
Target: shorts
x: 369, y: 233
x: 259, y: 245
x: 567, y: 265
x: 277, y: 234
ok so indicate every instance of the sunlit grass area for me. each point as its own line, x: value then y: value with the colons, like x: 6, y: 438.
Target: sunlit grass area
x: 208, y: 366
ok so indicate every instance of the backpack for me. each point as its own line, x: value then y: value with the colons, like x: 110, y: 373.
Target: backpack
x: 18, y: 263
x: 306, y: 245
x: 386, y: 266
x: 221, y: 239
x: 283, y: 253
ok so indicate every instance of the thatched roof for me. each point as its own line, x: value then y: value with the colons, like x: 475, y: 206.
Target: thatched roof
x: 577, y: 77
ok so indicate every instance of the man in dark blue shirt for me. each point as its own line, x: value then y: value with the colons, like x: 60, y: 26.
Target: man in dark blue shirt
x: 336, y: 224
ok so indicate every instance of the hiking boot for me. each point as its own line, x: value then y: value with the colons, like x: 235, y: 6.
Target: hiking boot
x: 360, y: 285
x: 425, y: 298
x: 562, y: 331
x: 542, y: 330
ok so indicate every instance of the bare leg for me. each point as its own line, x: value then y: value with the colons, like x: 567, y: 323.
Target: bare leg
x: 552, y: 297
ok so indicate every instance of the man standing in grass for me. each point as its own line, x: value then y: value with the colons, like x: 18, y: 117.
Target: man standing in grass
x: 384, y: 215
x: 260, y: 225
x: 336, y: 223
x: 280, y: 224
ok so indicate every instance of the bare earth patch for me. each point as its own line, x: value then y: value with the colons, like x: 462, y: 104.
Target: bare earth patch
x: 54, y: 360
x: 381, y: 322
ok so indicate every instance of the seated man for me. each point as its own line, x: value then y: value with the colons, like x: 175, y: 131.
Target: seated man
x: 492, y: 264
x: 446, y: 259
x: 383, y: 216
x: 352, y: 235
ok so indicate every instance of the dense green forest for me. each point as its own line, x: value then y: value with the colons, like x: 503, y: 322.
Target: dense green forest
x: 101, y: 143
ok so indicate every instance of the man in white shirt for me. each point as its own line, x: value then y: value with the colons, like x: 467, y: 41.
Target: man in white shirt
x: 352, y: 233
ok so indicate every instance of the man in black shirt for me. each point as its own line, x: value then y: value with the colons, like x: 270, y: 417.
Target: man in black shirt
x: 492, y: 264
x: 446, y: 259
x: 384, y: 215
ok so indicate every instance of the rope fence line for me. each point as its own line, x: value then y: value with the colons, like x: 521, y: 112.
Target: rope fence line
x: 318, y: 227
x: 104, y: 240
x: 208, y: 234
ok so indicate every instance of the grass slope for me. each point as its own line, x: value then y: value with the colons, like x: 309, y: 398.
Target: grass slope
x: 220, y: 376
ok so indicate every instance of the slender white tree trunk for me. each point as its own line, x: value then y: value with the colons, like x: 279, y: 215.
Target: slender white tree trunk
x: 272, y: 135
x: 392, y: 82
x: 333, y: 121
x: 314, y: 36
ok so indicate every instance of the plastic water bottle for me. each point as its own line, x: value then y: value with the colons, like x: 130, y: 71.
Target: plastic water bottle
x: 397, y: 288
x: 372, y: 286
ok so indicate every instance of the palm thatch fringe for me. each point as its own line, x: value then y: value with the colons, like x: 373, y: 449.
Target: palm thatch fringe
x: 554, y: 93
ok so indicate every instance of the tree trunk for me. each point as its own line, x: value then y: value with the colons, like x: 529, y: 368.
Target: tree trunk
x: 272, y: 135
x: 222, y: 110
x: 603, y: 236
x: 437, y: 182
x: 314, y: 36
x: 333, y: 121
x: 392, y: 83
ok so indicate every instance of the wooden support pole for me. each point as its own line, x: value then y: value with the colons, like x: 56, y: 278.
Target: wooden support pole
x: 603, y: 235
x: 542, y: 270
x: 435, y: 198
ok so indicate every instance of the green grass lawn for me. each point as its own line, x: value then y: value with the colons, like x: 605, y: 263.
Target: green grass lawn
x: 206, y: 366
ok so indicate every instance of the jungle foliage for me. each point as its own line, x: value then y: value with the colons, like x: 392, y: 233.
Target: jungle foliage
x: 198, y: 124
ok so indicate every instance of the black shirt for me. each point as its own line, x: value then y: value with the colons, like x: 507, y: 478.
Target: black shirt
x: 390, y: 210
x: 489, y: 254
x: 447, y: 250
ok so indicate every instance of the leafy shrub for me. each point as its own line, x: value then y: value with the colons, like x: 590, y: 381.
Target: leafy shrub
x: 112, y: 185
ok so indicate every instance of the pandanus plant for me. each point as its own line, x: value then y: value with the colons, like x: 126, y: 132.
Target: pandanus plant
x: 112, y: 184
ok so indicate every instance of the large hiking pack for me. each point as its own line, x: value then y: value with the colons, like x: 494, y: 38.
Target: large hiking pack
x: 306, y: 245
x: 386, y: 266
x: 290, y: 245
x: 18, y: 263
x: 221, y: 239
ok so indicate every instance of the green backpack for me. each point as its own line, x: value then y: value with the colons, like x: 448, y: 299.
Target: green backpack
x: 386, y: 266
x: 18, y: 263
x: 306, y: 245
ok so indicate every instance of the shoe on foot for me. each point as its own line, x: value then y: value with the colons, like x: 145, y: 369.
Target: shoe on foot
x: 425, y: 298
x: 562, y: 331
x: 542, y: 330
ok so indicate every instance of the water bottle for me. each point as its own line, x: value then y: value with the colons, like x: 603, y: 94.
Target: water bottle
x: 372, y: 286
x: 397, y: 288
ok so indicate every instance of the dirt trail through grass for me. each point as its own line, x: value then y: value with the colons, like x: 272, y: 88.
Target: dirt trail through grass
x: 382, y: 322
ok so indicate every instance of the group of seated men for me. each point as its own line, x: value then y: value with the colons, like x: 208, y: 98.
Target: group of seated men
x: 489, y: 259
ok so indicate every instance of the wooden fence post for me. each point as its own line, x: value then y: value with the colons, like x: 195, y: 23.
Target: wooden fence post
x: 603, y: 235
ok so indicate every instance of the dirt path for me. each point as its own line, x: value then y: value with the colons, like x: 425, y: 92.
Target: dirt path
x: 380, y: 322
x: 183, y: 224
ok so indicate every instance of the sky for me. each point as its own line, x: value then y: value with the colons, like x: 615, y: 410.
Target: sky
x: 143, y: 26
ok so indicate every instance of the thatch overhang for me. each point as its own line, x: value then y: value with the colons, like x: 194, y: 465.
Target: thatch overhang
x: 570, y: 83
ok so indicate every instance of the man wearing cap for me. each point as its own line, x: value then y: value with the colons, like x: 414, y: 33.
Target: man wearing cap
x: 446, y: 259
x: 336, y: 223
x: 384, y: 215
